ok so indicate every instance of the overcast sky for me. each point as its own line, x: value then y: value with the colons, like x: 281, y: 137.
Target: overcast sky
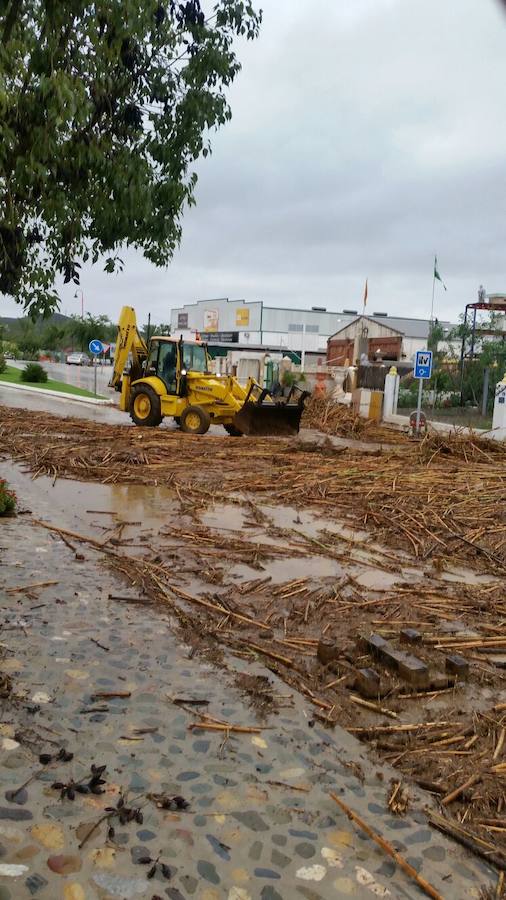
x: 366, y: 136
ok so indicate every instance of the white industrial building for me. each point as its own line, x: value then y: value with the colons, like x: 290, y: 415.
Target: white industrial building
x: 253, y: 324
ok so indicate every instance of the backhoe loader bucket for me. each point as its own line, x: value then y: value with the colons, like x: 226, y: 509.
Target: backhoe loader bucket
x: 262, y: 419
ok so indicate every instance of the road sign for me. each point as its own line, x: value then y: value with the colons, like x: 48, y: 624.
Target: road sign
x: 423, y: 364
x: 96, y: 347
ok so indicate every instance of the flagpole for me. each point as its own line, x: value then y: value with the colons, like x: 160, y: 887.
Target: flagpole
x: 433, y: 288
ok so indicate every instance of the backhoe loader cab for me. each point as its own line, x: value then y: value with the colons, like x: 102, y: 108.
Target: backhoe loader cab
x: 171, y: 377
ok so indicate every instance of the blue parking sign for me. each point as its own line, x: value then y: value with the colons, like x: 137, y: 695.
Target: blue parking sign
x: 423, y: 364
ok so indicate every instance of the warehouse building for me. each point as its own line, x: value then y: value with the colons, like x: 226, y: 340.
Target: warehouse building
x: 248, y: 324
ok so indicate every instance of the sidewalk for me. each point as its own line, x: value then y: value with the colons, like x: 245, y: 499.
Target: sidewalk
x: 60, y: 395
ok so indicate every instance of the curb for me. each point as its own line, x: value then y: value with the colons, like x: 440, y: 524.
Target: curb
x: 60, y: 395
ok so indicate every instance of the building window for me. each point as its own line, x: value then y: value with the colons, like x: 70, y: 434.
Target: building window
x: 299, y: 327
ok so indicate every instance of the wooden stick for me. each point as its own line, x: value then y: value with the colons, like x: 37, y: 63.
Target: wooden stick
x: 374, y: 707
x: 482, y: 848
x: 191, y: 599
x: 214, y: 726
x: 389, y: 850
x: 277, y: 656
x: 460, y: 790
x: 109, y: 695
x: 394, y: 729
x: 30, y: 587
x: 500, y: 743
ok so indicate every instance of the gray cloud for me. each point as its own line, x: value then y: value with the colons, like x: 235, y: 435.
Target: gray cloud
x: 366, y: 136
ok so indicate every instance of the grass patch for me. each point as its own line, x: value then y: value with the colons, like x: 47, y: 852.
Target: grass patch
x: 13, y: 376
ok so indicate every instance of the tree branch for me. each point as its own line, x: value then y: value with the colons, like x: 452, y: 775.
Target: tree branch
x: 10, y: 20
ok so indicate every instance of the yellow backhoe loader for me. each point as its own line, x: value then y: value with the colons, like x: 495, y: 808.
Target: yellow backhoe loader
x: 171, y: 377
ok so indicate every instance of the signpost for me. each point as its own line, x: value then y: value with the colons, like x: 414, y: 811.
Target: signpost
x: 423, y: 369
x: 96, y: 347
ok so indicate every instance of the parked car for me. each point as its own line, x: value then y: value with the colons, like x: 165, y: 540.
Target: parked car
x: 78, y: 359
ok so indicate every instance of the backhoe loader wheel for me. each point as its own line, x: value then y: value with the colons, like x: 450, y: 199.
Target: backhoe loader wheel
x: 145, y: 406
x: 195, y: 420
x: 232, y: 431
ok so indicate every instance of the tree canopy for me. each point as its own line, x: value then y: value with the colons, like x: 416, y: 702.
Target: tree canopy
x: 104, y: 107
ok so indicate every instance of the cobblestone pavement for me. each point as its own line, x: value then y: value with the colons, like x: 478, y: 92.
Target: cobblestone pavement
x: 260, y: 821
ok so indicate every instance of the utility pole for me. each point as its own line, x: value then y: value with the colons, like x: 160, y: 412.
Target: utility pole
x: 76, y: 296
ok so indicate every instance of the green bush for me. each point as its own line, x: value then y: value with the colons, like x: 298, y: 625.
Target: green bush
x: 3, y: 364
x: 34, y: 373
x: 408, y: 398
x: 7, y: 499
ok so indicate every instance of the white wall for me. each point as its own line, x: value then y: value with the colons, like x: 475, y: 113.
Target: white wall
x: 281, y: 319
x: 411, y: 345
x: 228, y: 315
x: 293, y: 340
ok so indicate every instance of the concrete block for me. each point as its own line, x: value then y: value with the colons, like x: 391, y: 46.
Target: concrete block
x: 392, y: 657
x: 440, y: 682
x: 368, y: 682
x: 410, y: 636
x: 457, y: 665
x: 373, y: 644
x: 414, y: 670
x: 326, y: 652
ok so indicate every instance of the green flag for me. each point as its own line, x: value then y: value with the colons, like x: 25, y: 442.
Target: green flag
x: 436, y: 273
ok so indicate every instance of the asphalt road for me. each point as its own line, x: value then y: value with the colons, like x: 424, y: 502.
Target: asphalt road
x: 79, y: 376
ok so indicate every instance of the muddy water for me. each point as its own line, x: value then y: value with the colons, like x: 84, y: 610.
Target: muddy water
x: 89, y: 508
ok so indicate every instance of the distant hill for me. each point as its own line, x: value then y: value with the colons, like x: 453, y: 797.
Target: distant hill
x: 55, y: 319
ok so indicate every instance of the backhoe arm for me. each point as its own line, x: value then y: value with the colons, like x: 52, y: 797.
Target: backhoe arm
x: 128, y: 342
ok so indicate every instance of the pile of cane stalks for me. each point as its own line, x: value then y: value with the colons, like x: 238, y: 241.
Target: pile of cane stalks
x: 441, y: 498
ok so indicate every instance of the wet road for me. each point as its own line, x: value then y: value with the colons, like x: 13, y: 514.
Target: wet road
x: 260, y: 821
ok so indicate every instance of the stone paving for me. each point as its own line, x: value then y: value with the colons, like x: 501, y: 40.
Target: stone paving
x: 260, y: 822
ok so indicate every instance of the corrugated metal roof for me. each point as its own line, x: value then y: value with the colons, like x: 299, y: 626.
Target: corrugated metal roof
x: 379, y: 320
x: 416, y: 328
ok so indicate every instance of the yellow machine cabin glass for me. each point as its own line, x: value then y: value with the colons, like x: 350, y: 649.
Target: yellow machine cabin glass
x: 167, y: 366
x: 194, y: 358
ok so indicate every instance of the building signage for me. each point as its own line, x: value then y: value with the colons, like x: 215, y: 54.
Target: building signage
x: 225, y: 337
x: 182, y: 320
x: 211, y: 320
x: 242, y: 317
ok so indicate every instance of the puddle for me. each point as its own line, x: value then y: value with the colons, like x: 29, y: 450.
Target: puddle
x: 310, y: 523
x: 286, y: 569
x: 229, y: 517
x: 377, y: 579
x: 85, y: 505
x: 465, y: 576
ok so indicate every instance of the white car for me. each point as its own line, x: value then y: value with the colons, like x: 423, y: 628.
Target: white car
x: 78, y: 359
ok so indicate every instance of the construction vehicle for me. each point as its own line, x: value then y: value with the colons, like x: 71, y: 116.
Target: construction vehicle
x: 167, y: 376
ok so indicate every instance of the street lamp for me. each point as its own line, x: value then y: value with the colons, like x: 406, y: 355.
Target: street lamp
x: 76, y: 295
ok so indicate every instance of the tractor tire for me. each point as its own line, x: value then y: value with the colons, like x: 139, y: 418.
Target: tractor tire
x: 233, y: 431
x: 195, y: 420
x: 145, y: 409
